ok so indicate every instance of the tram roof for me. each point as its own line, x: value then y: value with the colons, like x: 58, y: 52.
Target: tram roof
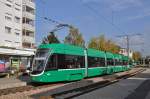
x: 96, y: 53
x: 117, y: 56
x: 109, y: 55
x: 125, y: 57
x: 71, y: 49
x: 64, y: 48
x: 76, y: 50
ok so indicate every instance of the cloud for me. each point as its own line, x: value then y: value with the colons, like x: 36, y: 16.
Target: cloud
x: 139, y: 6
x: 91, y: 1
x: 143, y: 14
x: 117, y: 5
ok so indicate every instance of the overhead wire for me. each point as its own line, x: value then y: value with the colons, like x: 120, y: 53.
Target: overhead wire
x: 100, y: 15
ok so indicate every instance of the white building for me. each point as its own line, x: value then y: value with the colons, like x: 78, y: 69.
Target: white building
x: 28, y: 29
x: 17, y: 30
x: 125, y: 52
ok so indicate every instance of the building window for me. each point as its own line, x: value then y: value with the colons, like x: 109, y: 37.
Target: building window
x: 7, y: 41
x: 17, y: 30
x: 18, y: 4
x: 31, y: 1
x: 17, y: 9
x: 17, y: 44
x: 26, y: 45
x: 28, y: 9
x: 17, y: 34
x: 8, y: 5
x: 7, y: 29
x: 9, y: 14
x: 9, y: 1
x: 8, y: 18
x: 17, y: 19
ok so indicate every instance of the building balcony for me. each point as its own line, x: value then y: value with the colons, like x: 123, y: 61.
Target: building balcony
x: 28, y: 39
x: 28, y: 27
x: 28, y: 15
x: 29, y: 3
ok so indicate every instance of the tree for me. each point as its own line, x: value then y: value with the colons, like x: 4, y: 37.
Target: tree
x: 112, y: 47
x: 74, y: 37
x: 93, y: 43
x: 51, y: 38
x: 101, y: 43
x: 136, y: 55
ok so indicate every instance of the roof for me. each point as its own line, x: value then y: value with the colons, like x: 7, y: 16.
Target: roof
x: 64, y: 48
x: 109, y: 55
x: 125, y: 58
x: 76, y: 50
x: 117, y: 56
x: 96, y: 53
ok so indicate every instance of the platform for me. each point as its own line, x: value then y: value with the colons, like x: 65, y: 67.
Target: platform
x: 13, y: 82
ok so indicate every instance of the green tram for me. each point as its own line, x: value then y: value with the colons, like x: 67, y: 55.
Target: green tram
x: 62, y: 62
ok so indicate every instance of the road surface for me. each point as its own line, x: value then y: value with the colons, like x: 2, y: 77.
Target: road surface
x: 137, y: 87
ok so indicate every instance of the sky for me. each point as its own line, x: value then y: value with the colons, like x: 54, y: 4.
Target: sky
x: 112, y: 18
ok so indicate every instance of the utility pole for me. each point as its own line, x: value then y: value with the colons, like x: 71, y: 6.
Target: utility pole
x: 128, y: 49
x: 127, y: 42
x: 127, y: 36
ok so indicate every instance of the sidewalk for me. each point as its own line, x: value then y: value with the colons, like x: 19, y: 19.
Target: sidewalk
x: 13, y: 82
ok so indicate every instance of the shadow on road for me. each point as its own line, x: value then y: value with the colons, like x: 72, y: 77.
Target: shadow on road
x: 141, y: 92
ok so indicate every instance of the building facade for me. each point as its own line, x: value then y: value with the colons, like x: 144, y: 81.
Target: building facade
x: 17, y: 31
x: 125, y: 52
x: 28, y: 19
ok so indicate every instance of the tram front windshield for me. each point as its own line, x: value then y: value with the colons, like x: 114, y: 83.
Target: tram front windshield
x: 39, y: 61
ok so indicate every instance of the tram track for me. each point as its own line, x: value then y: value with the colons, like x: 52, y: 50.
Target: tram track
x: 82, y: 90
x: 68, y: 93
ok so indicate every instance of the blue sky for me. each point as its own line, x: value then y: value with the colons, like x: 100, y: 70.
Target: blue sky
x: 130, y: 16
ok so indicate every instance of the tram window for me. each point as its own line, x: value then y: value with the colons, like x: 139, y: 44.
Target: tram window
x: 42, y: 52
x: 118, y: 62
x: 80, y: 61
x: 52, y: 62
x: 70, y: 61
x: 61, y: 61
x: 96, y: 61
x: 102, y: 61
x: 93, y: 62
x: 110, y: 62
x: 125, y: 62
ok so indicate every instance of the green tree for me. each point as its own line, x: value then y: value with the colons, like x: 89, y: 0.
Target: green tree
x: 74, y: 37
x: 51, y: 38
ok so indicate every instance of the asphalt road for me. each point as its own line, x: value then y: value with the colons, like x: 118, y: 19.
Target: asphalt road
x: 137, y: 87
